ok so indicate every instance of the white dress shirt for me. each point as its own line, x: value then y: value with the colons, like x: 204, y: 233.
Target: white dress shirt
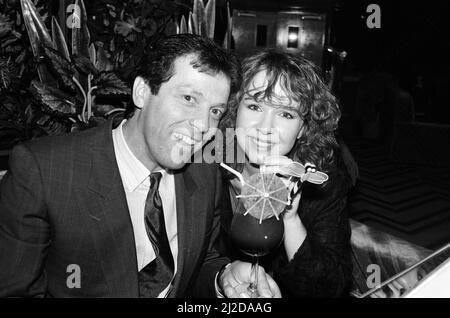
x: 136, y: 182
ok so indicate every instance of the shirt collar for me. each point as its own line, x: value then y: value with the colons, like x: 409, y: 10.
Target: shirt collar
x: 133, y: 171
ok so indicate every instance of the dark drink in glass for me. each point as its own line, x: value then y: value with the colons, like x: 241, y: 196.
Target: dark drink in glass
x: 257, y: 227
x: 254, y: 238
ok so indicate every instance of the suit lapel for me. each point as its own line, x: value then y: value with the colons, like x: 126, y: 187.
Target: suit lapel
x: 191, y: 207
x: 105, y: 204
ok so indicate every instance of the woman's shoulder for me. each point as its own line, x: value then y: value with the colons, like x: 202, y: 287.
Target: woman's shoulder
x: 317, y: 198
x: 339, y: 177
x: 339, y: 180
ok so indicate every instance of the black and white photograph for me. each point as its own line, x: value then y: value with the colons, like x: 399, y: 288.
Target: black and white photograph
x: 218, y: 151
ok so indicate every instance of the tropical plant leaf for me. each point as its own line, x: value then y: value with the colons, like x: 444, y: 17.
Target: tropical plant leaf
x: 11, y: 48
x: 81, y: 39
x: 59, y: 42
x: 198, y: 15
x: 20, y: 58
x: 101, y: 110
x: 227, y: 40
x: 39, y: 37
x: 30, y: 114
x: 108, y: 84
x: 210, y: 18
x: 53, y: 100
x: 124, y: 28
x: 41, y: 10
x: 183, y: 26
x: 51, y: 126
x: 5, y: 25
x: 84, y: 65
x: 54, y: 128
x: 18, y: 19
x: 61, y: 68
x: 104, y: 110
x: 191, y: 24
x: 43, y: 120
x: 93, y: 53
x: 7, y: 71
x: 102, y: 62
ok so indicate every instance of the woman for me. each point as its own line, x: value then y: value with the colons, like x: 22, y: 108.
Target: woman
x: 284, y: 112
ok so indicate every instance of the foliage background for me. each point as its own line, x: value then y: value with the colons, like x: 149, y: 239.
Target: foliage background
x: 17, y: 69
x: 122, y: 32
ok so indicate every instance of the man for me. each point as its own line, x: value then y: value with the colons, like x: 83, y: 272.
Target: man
x: 114, y: 211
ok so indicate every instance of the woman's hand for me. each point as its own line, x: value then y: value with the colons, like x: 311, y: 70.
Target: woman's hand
x: 291, y: 211
x: 272, y: 164
x: 236, y: 279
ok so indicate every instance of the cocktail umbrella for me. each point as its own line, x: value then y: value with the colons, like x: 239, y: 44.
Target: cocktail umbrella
x: 263, y: 195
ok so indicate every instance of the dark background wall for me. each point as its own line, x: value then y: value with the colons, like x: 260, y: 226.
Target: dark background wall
x: 413, y: 44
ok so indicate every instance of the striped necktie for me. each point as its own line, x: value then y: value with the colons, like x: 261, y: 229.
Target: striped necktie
x: 157, y: 275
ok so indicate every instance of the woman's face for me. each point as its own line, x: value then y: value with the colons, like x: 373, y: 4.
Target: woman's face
x: 265, y: 128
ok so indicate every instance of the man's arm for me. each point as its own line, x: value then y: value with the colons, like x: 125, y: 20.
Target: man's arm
x: 24, y: 229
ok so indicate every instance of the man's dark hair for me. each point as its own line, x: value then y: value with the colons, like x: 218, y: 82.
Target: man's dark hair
x: 158, y: 66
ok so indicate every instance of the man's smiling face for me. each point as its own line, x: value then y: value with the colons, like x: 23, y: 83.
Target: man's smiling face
x: 180, y: 118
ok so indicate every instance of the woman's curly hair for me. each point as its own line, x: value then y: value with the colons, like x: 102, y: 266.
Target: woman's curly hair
x: 300, y: 80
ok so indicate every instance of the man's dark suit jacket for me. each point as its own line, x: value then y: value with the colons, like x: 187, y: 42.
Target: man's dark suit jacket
x: 63, y: 203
